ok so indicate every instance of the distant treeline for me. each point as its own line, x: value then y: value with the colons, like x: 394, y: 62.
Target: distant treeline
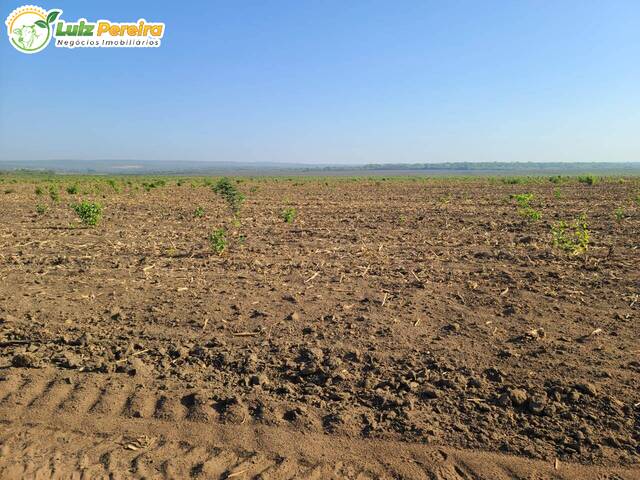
x: 147, y: 167
x: 497, y: 167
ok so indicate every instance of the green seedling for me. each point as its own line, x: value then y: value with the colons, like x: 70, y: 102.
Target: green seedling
x: 198, y: 212
x: 54, y: 193
x: 288, y: 214
x: 90, y: 213
x: 524, y: 208
x: 41, y: 209
x: 218, y: 240
x: 588, y: 179
x: 573, y: 240
x: 230, y: 193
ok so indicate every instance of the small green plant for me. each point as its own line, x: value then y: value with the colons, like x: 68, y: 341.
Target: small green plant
x: 218, y: 240
x: 230, y: 193
x: 72, y: 189
x: 445, y: 199
x: 557, y: 193
x: 288, y: 214
x: 54, y: 193
x: 522, y: 199
x: 524, y: 208
x: 112, y: 183
x: 39, y: 190
x: 530, y: 214
x: 619, y: 213
x: 198, y: 212
x: 41, y: 209
x: 512, y: 180
x: 574, y: 240
x: 588, y: 179
x: 90, y: 213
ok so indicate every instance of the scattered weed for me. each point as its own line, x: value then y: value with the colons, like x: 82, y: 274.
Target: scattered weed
x: 54, y: 193
x: 41, y: 209
x: 288, y: 214
x: 90, y: 213
x: 524, y: 208
x: 619, y: 213
x: 588, y: 179
x: 522, y: 199
x: 39, y: 190
x: 530, y: 214
x: 574, y: 240
x: 113, y: 185
x: 72, y: 189
x: 230, y: 193
x: 198, y: 212
x: 512, y: 180
x: 218, y: 240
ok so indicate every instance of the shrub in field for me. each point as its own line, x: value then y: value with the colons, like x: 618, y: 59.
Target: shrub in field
x: 288, y: 214
x: 54, y: 193
x: 512, y: 180
x: 588, y: 179
x: 522, y: 199
x: 39, y: 190
x: 530, y: 213
x: 41, y: 209
x: 148, y: 186
x: 112, y: 183
x: 574, y: 240
x: 218, y: 240
x: 524, y: 208
x: 90, y: 213
x: 72, y: 189
x: 198, y: 212
x: 230, y: 193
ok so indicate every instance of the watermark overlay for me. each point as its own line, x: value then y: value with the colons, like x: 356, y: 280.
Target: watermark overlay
x: 31, y: 28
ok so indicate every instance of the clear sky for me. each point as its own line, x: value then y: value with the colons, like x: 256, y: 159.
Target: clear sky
x: 339, y: 81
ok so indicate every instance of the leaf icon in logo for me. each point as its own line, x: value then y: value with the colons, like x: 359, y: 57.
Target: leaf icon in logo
x: 41, y: 23
x: 52, y: 16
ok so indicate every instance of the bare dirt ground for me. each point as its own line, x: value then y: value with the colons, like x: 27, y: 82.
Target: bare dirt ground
x: 395, y: 329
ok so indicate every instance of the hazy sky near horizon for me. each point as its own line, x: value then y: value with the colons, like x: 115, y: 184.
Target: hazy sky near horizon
x: 334, y: 82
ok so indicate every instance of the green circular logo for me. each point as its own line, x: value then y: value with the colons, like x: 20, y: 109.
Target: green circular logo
x: 30, y: 28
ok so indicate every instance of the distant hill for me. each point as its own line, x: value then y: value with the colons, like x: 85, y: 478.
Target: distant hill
x: 232, y: 168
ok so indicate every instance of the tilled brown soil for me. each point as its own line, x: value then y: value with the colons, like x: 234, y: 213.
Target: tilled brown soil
x: 397, y: 329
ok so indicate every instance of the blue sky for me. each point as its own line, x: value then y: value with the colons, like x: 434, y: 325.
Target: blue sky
x: 334, y: 82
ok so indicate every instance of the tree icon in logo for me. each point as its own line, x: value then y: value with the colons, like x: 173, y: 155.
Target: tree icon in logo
x: 30, y: 28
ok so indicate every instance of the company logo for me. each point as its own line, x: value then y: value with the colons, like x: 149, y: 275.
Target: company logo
x: 31, y: 28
